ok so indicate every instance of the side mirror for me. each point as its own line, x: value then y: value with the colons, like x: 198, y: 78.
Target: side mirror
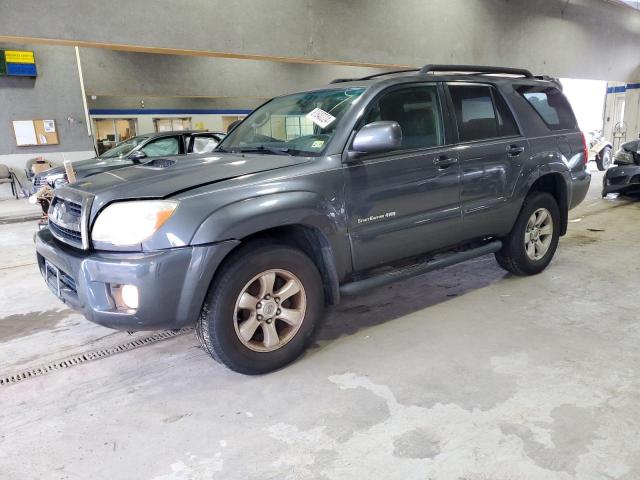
x: 138, y: 156
x: 376, y: 137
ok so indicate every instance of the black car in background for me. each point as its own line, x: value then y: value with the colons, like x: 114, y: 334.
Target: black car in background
x: 133, y: 151
x: 624, y: 176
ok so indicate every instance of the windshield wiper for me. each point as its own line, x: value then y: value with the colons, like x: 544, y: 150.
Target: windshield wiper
x: 263, y: 149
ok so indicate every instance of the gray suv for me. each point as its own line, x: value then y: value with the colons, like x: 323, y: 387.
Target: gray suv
x: 316, y: 195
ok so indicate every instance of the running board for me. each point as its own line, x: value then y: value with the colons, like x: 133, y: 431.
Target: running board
x: 359, y: 286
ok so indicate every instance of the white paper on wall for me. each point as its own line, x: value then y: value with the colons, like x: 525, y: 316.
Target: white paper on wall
x: 25, y: 132
x: 49, y: 126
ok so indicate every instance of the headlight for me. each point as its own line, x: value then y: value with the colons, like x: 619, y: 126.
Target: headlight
x: 623, y: 157
x: 58, y: 181
x: 129, y: 223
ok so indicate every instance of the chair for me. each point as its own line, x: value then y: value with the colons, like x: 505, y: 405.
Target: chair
x: 28, y: 168
x: 6, y: 176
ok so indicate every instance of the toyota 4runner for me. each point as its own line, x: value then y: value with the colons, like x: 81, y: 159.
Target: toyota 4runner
x: 316, y: 195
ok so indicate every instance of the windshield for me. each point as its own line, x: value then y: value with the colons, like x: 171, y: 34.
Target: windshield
x: 299, y: 124
x: 124, y: 148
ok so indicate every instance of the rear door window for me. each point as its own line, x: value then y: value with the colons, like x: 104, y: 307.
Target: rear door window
x: 551, y: 105
x: 481, y: 113
x: 203, y: 143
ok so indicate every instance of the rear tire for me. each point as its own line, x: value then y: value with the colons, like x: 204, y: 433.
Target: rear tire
x: 603, y: 159
x: 261, y: 309
x: 534, y: 238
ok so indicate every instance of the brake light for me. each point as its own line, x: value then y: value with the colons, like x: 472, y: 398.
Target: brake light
x: 586, y: 149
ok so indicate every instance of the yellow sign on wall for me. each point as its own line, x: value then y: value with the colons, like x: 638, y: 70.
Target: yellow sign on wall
x: 19, y: 56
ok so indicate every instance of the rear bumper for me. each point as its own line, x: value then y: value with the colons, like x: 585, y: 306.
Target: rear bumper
x: 580, y: 182
x: 621, y: 179
x: 172, y: 283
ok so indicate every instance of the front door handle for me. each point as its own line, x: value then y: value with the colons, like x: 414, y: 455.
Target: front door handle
x: 514, y: 150
x: 443, y: 162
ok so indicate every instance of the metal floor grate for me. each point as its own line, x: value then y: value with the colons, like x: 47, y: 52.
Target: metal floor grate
x: 90, y: 356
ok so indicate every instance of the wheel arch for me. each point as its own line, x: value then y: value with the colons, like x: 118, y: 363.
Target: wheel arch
x: 297, y: 219
x: 555, y: 184
x: 314, y: 243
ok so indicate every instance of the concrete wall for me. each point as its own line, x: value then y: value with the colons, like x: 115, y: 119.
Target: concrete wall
x: 116, y: 73
x: 54, y: 94
x: 590, y: 39
x: 135, y: 102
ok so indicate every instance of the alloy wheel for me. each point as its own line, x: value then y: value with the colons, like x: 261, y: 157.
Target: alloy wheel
x: 538, y: 234
x: 606, y: 159
x: 270, y: 310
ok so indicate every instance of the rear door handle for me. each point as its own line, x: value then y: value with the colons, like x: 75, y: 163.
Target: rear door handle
x: 514, y: 150
x: 443, y: 162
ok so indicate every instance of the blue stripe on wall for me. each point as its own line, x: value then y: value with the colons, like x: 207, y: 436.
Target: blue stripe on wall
x: 620, y: 89
x: 623, y: 88
x: 166, y: 111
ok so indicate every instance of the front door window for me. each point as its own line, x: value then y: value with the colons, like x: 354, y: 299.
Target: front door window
x: 162, y: 147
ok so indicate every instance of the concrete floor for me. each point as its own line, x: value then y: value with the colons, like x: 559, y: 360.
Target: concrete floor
x: 12, y: 210
x: 465, y: 373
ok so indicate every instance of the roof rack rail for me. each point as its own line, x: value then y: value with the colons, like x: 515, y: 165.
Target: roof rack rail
x: 382, y: 74
x: 548, y: 78
x: 475, y: 69
x: 375, y: 75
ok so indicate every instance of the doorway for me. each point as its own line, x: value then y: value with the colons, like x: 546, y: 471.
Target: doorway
x: 111, y: 131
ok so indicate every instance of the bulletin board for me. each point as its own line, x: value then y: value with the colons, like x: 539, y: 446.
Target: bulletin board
x: 35, y: 132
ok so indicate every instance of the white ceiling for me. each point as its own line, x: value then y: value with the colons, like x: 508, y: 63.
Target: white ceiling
x: 633, y: 3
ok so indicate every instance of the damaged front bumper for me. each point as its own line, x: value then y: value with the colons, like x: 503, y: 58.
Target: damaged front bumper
x: 172, y: 283
x: 621, y: 179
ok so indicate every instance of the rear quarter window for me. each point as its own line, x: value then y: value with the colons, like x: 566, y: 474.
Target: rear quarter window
x: 550, y: 105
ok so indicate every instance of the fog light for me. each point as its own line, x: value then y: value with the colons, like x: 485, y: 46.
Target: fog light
x: 129, y: 295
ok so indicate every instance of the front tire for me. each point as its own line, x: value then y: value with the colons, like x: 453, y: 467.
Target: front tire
x: 261, y: 309
x: 534, y: 238
x: 603, y: 159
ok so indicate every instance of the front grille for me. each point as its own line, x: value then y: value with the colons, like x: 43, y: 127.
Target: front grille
x: 618, y: 180
x: 68, y: 282
x: 65, y: 221
x: 39, y: 182
x: 52, y: 275
x: 69, y: 235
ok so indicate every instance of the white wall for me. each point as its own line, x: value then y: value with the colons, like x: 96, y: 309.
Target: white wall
x: 630, y: 128
x: 632, y: 113
x: 587, y: 99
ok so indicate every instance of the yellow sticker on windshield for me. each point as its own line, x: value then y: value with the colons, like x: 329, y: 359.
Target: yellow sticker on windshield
x: 317, y: 144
